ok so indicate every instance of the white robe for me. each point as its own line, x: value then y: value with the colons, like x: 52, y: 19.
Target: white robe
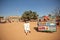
x: 26, y: 27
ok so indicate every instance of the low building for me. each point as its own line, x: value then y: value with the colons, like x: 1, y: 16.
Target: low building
x: 13, y: 18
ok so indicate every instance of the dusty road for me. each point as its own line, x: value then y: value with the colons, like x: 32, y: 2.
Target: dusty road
x: 15, y: 31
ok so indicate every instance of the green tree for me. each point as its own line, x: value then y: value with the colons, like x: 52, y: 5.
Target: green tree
x: 28, y: 15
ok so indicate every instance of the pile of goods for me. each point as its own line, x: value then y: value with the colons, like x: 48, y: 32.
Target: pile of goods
x: 49, y: 25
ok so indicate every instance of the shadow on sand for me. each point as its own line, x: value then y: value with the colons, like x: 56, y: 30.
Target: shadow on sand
x: 36, y: 29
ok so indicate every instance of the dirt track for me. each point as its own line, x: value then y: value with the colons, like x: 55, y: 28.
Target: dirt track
x: 15, y: 31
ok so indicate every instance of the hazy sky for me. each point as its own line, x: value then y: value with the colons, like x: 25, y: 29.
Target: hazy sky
x: 17, y: 7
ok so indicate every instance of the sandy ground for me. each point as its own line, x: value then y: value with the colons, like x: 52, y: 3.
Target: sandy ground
x: 15, y: 31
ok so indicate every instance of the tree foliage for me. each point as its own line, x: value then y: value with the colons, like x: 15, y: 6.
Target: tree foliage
x: 57, y: 12
x: 28, y: 15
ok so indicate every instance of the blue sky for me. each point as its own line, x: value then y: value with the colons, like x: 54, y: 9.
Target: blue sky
x: 17, y: 7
